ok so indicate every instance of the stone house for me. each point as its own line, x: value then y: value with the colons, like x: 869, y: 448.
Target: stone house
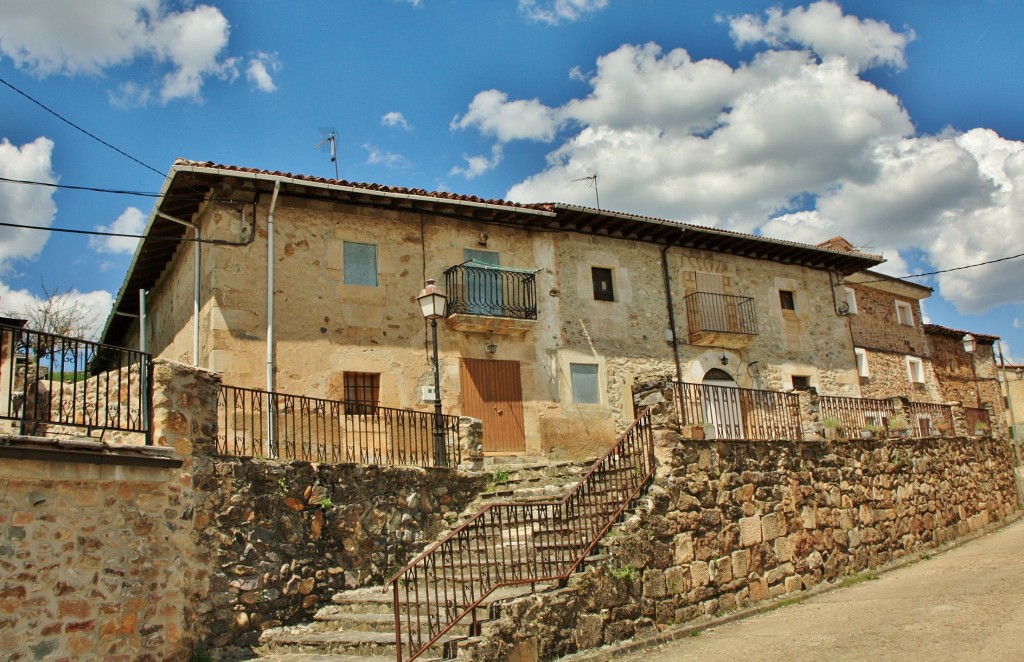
x: 1012, y: 378
x: 972, y: 379
x: 306, y: 285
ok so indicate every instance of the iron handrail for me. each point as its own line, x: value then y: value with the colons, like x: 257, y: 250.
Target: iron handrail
x: 295, y: 427
x: 48, y: 379
x: 517, y: 543
x: 491, y: 291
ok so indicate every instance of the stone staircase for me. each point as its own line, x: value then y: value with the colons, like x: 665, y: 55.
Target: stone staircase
x: 360, y: 624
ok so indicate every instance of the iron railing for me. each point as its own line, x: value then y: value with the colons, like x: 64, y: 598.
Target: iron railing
x: 929, y: 419
x: 49, y: 381
x: 517, y: 543
x: 739, y: 413
x: 492, y: 291
x: 857, y: 417
x: 977, y: 421
x: 257, y: 423
x: 725, y: 313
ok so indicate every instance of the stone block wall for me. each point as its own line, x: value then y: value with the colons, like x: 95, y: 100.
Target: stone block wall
x: 730, y: 524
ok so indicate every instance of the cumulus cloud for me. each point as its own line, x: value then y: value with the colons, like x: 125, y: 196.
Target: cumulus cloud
x: 376, y: 156
x: 260, y: 69
x: 26, y: 205
x: 792, y: 143
x: 132, y: 222
x: 479, y: 164
x: 554, y: 12
x: 94, y: 305
x: 395, y: 118
x: 50, y: 37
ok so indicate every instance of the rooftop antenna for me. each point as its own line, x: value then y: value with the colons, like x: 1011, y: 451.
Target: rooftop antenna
x: 328, y: 144
x: 591, y: 180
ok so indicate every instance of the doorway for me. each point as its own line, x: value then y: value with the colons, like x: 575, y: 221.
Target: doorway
x: 492, y: 391
x: 723, y: 413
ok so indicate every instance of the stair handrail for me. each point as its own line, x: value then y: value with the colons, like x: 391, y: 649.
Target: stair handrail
x: 435, y: 570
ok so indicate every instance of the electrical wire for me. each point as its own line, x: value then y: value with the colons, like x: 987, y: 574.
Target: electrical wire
x: 943, y: 271
x: 72, y: 124
x: 71, y: 187
x: 99, y: 233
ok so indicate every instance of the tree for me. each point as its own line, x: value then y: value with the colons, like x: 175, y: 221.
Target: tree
x: 59, y: 313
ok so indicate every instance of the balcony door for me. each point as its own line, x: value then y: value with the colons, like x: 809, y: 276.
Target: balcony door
x: 483, y: 285
x: 492, y: 391
x: 722, y: 411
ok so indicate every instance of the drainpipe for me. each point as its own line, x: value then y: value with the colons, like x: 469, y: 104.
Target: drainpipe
x: 671, y: 311
x: 270, y: 287
x: 195, y: 294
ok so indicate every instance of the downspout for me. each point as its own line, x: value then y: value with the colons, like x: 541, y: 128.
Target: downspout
x: 195, y: 294
x: 270, y: 287
x: 671, y: 311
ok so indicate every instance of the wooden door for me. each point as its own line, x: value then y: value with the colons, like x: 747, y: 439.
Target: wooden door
x: 492, y: 391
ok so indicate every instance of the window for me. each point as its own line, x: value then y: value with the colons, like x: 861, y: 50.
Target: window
x: 603, y: 290
x: 851, y: 301
x: 862, y: 362
x: 915, y: 370
x: 360, y: 263
x: 362, y: 393
x: 585, y: 389
x: 904, y: 313
x: 801, y: 381
x: 786, y: 300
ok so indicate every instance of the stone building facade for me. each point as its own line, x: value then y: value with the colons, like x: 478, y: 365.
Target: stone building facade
x: 970, y: 379
x: 307, y: 286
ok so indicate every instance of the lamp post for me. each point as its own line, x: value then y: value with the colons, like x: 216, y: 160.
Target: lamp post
x: 970, y: 344
x: 432, y: 304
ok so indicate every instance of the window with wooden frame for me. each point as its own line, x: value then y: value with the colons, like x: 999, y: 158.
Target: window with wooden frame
x: 786, y: 300
x: 603, y: 287
x: 915, y: 370
x: 362, y: 393
x: 801, y: 381
x: 904, y: 313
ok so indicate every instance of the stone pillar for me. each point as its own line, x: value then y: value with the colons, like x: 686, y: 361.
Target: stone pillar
x: 899, y: 424
x: 185, y: 408
x: 810, y: 414
x: 471, y: 443
x: 658, y: 393
x: 959, y: 420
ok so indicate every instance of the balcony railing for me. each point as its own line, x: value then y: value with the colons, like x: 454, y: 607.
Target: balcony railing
x: 722, y: 313
x: 474, y: 288
x: 294, y: 427
x: 49, y: 382
x: 977, y: 421
x: 739, y: 413
x: 856, y: 417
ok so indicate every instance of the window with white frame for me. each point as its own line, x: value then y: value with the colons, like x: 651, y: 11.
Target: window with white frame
x: 862, y: 362
x: 904, y: 313
x: 584, y: 380
x: 915, y: 370
x: 360, y: 263
x: 851, y: 301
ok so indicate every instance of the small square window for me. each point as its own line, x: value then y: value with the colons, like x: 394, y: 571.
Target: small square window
x: 360, y: 263
x: 585, y: 388
x: 915, y: 370
x: 603, y: 289
x: 786, y: 300
x: 904, y: 313
x: 801, y: 381
x: 362, y: 393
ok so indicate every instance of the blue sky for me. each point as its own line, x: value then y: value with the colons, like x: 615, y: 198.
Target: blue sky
x: 895, y: 124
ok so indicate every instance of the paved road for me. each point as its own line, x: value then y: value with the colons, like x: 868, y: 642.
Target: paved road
x: 965, y: 604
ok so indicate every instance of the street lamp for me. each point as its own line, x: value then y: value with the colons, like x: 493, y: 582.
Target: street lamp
x: 970, y: 344
x: 432, y: 304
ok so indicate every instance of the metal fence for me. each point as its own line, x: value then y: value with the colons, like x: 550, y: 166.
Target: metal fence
x: 257, y: 423
x: 49, y: 382
x: 706, y: 311
x: 738, y: 413
x: 929, y: 419
x: 483, y: 290
x: 856, y: 417
x: 517, y: 543
x: 977, y: 421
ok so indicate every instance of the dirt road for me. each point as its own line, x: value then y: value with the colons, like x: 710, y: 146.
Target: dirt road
x: 964, y: 604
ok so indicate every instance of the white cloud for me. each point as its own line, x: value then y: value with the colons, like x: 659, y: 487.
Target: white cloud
x: 259, y: 71
x: 823, y: 28
x: 95, y: 305
x: 395, y: 118
x: 792, y: 143
x: 131, y: 221
x: 1016, y: 323
x: 376, y: 156
x: 69, y: 37
x: 554, y: 12
x: 478, y: 165
x: 22, y: 203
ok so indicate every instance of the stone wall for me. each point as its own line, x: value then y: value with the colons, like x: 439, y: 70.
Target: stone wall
x: 730, y: 524
x: 957, y: 380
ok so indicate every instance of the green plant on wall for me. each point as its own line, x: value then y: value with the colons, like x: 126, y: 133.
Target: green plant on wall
x: 326, y: 503
x: 625, y: 572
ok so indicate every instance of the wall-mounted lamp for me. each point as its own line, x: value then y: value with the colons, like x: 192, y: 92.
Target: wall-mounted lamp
x: 490, y: 348
x: 724, y: 359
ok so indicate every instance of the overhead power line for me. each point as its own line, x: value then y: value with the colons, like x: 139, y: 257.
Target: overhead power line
x: 100, y: 233
x: 72, y: 124
x: 943, y: 271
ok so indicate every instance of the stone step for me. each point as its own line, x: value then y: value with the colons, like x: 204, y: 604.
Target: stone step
x: 309, y: 639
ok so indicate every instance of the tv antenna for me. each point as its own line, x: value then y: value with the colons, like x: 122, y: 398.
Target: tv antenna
x: 329, y: 144
x: 591, y: 181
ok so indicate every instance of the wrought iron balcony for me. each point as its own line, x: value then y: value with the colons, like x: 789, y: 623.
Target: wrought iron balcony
x: 478, y: 290
x: 720, y: 319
